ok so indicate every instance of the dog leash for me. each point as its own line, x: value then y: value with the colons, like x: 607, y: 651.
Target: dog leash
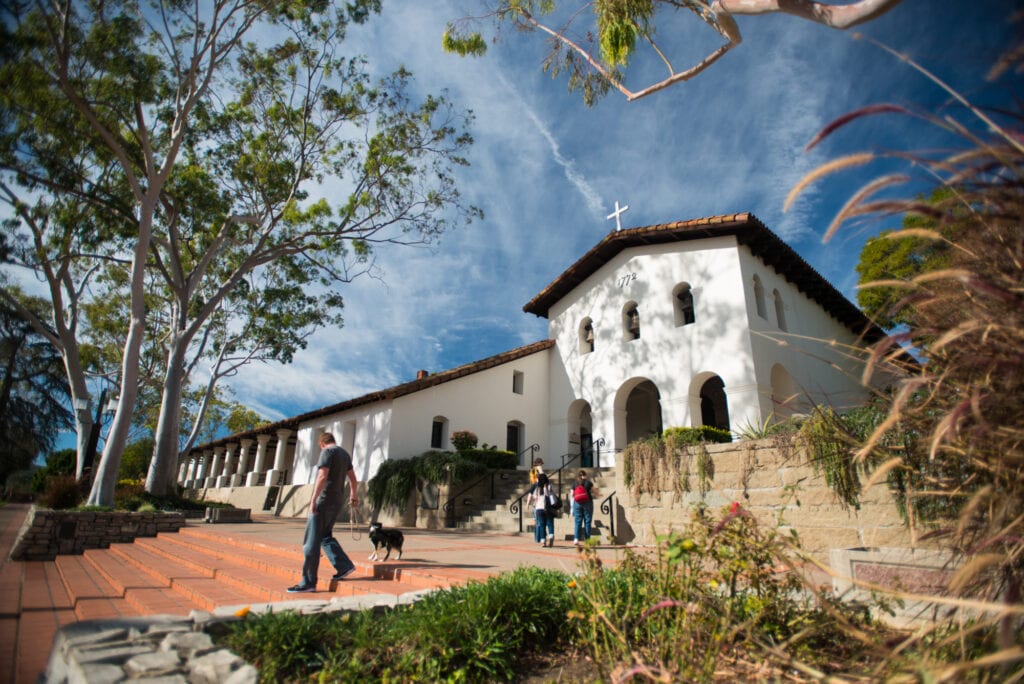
x: 352, y: 513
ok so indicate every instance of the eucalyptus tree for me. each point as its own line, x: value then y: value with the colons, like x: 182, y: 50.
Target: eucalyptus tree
x: 224, y: 120
x: 595, y: 56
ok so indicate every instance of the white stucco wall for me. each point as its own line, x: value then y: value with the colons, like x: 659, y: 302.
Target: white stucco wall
x: 676, y: 359
x: 815, y: 349
x: 482, y: 403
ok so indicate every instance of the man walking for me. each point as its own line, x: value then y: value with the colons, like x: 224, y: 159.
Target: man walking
x: 334, y: 466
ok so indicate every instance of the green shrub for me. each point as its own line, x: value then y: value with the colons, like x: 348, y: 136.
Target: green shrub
x: 473, y: 633
x: 697, y: 435
x: 61, y: 462
x: 464, y: 440
x: 704, y: 604
x: 491, y: 458
x: 60, y: 492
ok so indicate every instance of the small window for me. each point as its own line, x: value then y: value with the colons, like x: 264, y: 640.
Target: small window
x: 631, y: 322
x: 517, y: 382
x: 780, y: 310
x: 514, y: 436
x: 683, y: 299
x: 438, y: 432
x: 759, y: 298
x: 586, y: 336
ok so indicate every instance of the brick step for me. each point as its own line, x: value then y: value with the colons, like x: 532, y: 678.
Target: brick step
x: 406, y: 578
x: 258, y: 549
x: 266, y: 578
x: 91, y: 595
x: 198, y: 585
x: 227, y: 548
x: 142, y: 591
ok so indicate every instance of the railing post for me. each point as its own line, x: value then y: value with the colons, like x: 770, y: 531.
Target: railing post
x: 597, y: 452
x: 608, y: 507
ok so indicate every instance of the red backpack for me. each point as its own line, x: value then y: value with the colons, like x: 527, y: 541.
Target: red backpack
x: 580, y: 494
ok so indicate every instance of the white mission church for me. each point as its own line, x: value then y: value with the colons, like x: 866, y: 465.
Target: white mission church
x: 712, y: 321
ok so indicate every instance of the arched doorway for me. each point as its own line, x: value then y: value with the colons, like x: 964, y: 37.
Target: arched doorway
x: 581, y: 433
x: 785, y: 393
x: 714, y: 410
x: 643, y: 411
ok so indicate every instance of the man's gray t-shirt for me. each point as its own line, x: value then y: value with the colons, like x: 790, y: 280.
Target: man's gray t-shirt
x: 338, y: 462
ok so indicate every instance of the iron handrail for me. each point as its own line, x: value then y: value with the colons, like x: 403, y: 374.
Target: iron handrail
x: 516, y: 507
x: 607, y: 507
x: 449, y: 505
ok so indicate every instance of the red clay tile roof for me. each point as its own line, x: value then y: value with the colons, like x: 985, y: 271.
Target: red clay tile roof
x: 388, y: 394
x: 748, y: 231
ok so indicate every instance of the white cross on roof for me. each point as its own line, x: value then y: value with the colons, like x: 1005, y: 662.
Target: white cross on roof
x: 617, y: 215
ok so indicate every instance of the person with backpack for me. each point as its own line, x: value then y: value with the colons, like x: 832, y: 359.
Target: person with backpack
x: 582, y: 508
x: 544, y: 526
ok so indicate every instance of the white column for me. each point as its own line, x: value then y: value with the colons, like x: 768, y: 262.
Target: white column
x: 261, y: 460
x: 204, y: 468
x: 229, y: 465
x: 243, y: 463
x: 280, y: 457
x: 218, y: 465
x: 183, y: 469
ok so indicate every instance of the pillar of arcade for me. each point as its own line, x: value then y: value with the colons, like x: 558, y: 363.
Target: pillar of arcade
x: 238, y: 479
x: 218, y: 464
x: 228, y: 468
x: 256, y: 478
x: 280, y: 469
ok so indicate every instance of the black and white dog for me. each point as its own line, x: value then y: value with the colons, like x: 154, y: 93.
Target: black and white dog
x: 387, y: 539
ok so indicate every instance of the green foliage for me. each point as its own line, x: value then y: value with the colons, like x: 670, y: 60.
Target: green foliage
x: 707, y: 434
x: 901, y: 256
x: 706, y: 601
x: 34, y: 390
x: 464, y: 45
x: 663, y: 463
x: 493, y: 459
x: 619, y: 23
x: 58, y: 463
x: 395, y: 480
x: 473, y: 633
x: 60, y: 492
x: 392, y: 485
x: 463, y: 440
x: 135, y: 460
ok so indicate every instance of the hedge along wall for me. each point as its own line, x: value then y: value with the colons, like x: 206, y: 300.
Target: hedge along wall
x: 47, y: 534
x: 777, y: 488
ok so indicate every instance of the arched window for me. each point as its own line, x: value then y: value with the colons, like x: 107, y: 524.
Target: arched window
x: 682, y: 297
x: 759, y: 298
x: 438, y: 432
x: 630, y: 322
x: 586, y: 336
x: 780, y: 310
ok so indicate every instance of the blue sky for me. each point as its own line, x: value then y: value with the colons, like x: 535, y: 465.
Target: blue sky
x: 547, y: 170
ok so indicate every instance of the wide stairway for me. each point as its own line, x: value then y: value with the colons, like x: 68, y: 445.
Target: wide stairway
x: 197, y: 568
x: 480, y: 511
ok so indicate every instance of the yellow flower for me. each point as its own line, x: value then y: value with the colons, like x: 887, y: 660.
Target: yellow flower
x: 242, y: 612
x: 572, y: 584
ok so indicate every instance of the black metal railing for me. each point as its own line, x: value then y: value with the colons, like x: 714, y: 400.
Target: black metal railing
x: 608, y: 508
x: 450, y: 503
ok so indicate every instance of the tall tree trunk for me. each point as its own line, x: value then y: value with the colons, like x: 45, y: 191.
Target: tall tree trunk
x: 105, y: 480
x: 165, y: 447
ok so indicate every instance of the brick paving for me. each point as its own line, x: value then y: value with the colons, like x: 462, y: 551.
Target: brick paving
x: 209, y: 566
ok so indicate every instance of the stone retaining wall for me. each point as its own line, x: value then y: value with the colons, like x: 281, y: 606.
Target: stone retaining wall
x: 47, y: 534
x: 779, y: 489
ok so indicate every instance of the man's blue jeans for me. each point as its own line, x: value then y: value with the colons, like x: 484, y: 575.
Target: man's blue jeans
x: 319, y: 534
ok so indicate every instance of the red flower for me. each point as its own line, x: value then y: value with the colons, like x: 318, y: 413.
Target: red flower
x: 734, y: 507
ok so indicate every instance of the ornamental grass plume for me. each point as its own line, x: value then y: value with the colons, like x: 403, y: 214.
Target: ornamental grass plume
x: 963, y: 471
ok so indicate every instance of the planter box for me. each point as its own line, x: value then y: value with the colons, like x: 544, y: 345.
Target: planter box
x: 47, y: 534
